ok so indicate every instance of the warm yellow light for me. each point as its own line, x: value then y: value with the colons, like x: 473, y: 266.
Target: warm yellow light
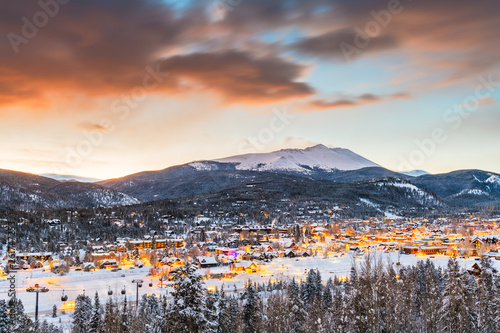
x: 69, y: 306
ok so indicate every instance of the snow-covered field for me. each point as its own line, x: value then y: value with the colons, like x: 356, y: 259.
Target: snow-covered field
x: 75, y: 283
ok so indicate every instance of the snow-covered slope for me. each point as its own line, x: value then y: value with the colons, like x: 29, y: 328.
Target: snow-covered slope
x: 26, y: 191
x: 304, y: 161
x: 410, y: 191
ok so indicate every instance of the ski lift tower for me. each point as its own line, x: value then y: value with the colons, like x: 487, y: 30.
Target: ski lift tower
x: 138, y: 285
x: 37, y: 289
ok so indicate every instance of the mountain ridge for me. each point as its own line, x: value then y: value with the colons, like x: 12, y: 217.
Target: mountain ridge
x: 20, y: 190
x: 287, y: 171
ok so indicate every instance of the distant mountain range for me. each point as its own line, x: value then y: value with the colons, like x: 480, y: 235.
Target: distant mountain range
x: 334, y: 174
x: 71, y: 178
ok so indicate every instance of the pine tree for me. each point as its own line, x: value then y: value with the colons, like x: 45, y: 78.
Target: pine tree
x: 109, y: 322
x: 48, y: 328
x: 54, y: 311
x: 339, y: 310
x: 18, y: 321
x: 233, y: 313
x: 82, y: 314
x: 469, y: 314
x: 486, y: 297
x: 309, y: 288
x: 95, y: 320
x: 327, y: 294
x: 124, y: 317
x: 297, y: 313
x: 150, y: 313
x: 250, y: 315
x: 277, y: 313
x: 224, y: 317
x: 211, y: 313
x: 187, y: 313
x: 496, y: 304
x: 318, y: 287
x: 452, y: 311
x: 4, y: 317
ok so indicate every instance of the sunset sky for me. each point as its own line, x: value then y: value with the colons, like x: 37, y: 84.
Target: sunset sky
x: 105, y: 88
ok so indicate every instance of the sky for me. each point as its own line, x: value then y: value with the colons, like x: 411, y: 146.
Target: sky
x: 106, y: 88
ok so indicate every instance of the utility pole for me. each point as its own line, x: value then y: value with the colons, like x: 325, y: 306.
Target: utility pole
x: 37, y: 289
x: 138, y: 285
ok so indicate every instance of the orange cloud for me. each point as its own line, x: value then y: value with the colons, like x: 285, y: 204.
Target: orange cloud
x: 103, y: 48
x: 239, y: 77
x: 365, y: 99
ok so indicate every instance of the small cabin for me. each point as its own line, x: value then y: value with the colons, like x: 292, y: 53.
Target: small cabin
x: 206, y: 262
x: 476, y: 270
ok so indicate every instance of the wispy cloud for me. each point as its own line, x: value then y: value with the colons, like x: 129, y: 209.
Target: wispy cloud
x: 364, y: 99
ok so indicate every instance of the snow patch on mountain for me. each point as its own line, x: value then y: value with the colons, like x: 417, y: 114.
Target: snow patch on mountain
x: 493, y: 179
x: 368, y: 202
x: 203, y: 166
x: 304, y: 161
x: 415, y: 173
x: 471, y: 191
x: 411, y: 190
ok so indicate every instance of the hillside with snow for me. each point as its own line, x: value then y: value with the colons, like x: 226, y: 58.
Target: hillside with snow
x: 25, y: 191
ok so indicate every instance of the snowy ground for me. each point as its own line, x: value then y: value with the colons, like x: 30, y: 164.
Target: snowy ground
x: 75, y: 283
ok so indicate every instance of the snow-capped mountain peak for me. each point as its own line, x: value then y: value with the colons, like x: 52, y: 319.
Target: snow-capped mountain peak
x: 416, y: 173
x: 317, y: 157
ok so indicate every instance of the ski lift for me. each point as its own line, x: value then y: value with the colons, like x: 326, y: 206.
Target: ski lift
x: 150, y: 284
x: 140, y: 285
x: 124, y: 291
x: 110, y: 292
x: 64, y: 297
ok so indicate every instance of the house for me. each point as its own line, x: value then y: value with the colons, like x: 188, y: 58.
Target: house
x: 225, y: 251
x: 267, y: 248
x: 493, y: 255
x: 173, y: 261
x: 205, y: 262
x: 34, y: 255
x: 57, y: 267
x: 427, y: 250
x: 36, y: 264
x: 251, y: 267
x: 175, y: 242
x: 108, y: 264
x: 88, y: 266
x: 476, y: 270
x: 477, y: 242
x: 247, y: 256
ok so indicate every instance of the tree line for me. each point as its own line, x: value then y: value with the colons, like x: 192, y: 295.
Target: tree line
x: 376, y: 298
